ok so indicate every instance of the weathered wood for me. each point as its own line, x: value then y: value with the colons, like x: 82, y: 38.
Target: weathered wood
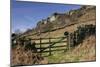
x: 52, y: 50
x: 51, y: 42
x: 48, y: 38
x: 50, y: 46
x: 67, y: 42
x: 53, y: 47
x: 40, y: 46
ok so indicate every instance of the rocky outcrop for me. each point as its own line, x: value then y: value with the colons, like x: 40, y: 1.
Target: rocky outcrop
x: 58, y: 20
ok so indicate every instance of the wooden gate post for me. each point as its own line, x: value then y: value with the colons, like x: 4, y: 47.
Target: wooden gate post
x: 67, y: 40
x: 50, y: 46
x: 40, y: 46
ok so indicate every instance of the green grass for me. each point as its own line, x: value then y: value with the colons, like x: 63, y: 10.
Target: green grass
x: 63, y: 57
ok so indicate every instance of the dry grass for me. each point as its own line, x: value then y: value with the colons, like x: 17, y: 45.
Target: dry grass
x: 60, y: 32
x: 21, y: 57
x: 87, y: 49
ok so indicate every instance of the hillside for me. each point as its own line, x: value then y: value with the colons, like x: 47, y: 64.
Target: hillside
x: 64, y: 22
x: 50, y: 44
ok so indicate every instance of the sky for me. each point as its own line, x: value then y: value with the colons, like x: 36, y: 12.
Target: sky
x: 25, y: 15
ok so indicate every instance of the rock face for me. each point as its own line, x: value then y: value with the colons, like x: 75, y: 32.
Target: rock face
x: 52, y: 22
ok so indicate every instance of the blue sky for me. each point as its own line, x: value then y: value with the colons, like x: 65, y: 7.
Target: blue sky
x: 25, y: 15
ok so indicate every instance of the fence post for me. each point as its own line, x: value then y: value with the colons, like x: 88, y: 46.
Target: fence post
x: 77, y: 34
x: 67, y: 40
x: 40, y: 46
x: 50, y: 46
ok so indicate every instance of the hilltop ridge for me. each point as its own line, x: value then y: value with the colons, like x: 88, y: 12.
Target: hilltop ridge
x: 62, y: 20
